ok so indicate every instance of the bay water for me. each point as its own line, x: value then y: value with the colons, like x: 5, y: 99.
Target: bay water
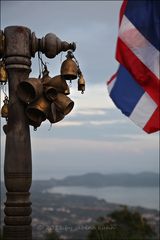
x: 147, y: 197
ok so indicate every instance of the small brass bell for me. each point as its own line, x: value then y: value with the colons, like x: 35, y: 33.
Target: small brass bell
x: 50, y: 91
x: 30, y: 89
x: 54, y: 115
x: 4, y: 109
x: 3, y: 73
x: 59, y: 84
x: 37, y: 111
x: 63, y: 103
x: 69, y: 68
x: 81, y: 83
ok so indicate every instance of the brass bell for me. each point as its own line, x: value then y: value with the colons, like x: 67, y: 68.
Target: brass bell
x: 3, y: 73
x: 69, y: 68
x: 29, y: 89
x: 50, y: 92
x: 54, y: 115
x: 81, y: 83
x: 63, y: 103
x: 4, y: 109
x: 37, y: 111
x: 59, y: 84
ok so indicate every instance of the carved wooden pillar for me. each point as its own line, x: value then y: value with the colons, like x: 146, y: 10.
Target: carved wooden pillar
x: 18, y: 166
x: 17, y: 46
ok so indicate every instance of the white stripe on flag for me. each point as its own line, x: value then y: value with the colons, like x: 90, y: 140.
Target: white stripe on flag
x: 140, y: 46
x: 111, y: 84
x: 143, y: 110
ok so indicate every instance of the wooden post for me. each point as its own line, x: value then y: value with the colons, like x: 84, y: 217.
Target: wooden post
x: 17, y: 46
x: 18, y: 164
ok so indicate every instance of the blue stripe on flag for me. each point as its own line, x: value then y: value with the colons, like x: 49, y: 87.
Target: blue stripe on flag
x: 145, y: 16
x: 125, y: 92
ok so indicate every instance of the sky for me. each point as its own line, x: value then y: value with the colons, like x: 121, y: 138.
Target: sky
x: 95, y: 136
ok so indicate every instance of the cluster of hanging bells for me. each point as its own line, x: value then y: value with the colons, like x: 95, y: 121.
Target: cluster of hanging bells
x: 46, y: 97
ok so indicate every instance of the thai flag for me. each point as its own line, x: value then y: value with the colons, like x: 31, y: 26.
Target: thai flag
x: 135, y: 88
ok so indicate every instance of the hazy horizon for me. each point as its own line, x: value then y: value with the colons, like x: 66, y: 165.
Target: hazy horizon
x: 59, y: 177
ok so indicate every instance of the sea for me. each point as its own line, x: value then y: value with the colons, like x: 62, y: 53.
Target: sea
x: 147, y: 197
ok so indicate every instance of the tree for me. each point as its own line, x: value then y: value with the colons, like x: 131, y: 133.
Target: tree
x: 51, y: 236
x: 122, y: 225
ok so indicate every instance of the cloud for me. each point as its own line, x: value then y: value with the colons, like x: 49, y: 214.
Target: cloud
x: 60, y: 152
x: 91, y: 111
x: 95, y: 97
x: 140, y: 144
x: 79, y: 156
x: 69, y: 123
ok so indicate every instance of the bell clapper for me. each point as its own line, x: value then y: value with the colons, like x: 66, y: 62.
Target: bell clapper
x: 70, y: 83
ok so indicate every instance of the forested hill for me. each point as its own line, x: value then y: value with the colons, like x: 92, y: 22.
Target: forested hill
x: 146, y: 179
x: 102, y: 180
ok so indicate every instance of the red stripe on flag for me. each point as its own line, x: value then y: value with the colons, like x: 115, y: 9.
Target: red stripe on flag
x: 139, y: 71
x: 122, y: 10
x: 153, y: 124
